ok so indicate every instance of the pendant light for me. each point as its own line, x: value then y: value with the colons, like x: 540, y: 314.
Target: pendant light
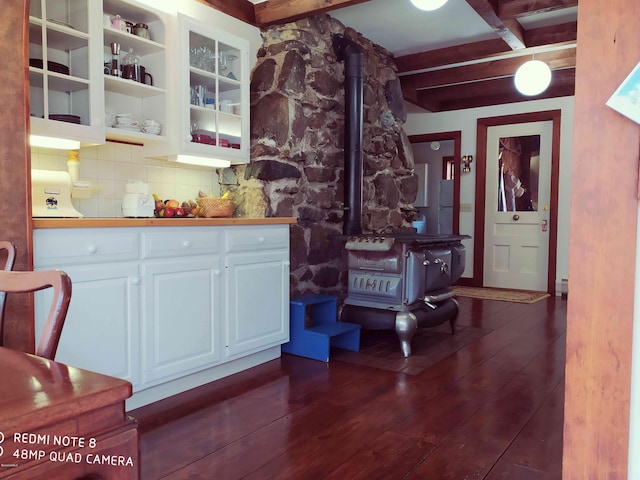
x: 428, y: 4
x: 532, y: 77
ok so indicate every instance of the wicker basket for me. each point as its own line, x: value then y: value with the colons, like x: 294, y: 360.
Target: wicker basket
x: 214, y: 207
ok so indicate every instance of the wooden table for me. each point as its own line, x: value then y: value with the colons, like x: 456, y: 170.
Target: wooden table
x: 61, y: 422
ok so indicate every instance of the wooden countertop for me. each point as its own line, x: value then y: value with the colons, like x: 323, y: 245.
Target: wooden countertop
x: 155, y: 222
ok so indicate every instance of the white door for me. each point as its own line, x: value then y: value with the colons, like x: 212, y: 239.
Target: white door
x: 517, y: 206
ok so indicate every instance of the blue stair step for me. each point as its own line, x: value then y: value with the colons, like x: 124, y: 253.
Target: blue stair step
x: 315, y: 329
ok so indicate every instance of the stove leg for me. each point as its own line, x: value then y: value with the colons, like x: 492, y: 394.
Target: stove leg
x: 452, y: 320
x: 406, y: 326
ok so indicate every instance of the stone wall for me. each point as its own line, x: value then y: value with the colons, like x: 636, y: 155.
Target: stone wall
x: 297, y: 133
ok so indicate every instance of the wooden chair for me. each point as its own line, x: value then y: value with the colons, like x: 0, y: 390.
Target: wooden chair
x: 24, y: 282
x: 10, y: 250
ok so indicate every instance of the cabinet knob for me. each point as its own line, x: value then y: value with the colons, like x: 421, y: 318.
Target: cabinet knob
x: 186, y: 243
x: 135, y: 280
x: 261, y: 239
x: 91, y: 248
x: 216, y: 272
x: 287, y: 263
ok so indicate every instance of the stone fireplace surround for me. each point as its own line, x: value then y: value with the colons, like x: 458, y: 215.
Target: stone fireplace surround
x: 297, y: 137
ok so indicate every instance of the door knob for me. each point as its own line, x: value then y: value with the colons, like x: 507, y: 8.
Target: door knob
x: 516, y: 217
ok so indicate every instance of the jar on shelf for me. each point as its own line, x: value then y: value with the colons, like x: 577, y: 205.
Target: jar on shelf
x: 141, y: 30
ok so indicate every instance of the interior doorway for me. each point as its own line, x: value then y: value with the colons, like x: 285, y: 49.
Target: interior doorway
x: 449, y: 213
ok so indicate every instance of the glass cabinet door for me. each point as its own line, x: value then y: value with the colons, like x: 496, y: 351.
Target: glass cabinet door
x: 216, y: 119
x: 64, y: 94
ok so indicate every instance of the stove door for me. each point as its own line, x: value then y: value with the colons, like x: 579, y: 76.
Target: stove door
x: 438, y: 268
x: 414, y: 276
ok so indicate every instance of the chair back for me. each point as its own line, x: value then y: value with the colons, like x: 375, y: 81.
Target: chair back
x: 24, y: 282
x: 10, y: 250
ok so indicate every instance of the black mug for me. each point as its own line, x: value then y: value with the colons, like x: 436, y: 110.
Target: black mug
x: 136, y: 73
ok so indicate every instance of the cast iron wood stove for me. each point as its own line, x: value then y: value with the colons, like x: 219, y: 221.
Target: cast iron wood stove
x: 403, y: 282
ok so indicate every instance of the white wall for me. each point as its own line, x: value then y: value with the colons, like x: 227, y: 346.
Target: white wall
x: 466, y: 122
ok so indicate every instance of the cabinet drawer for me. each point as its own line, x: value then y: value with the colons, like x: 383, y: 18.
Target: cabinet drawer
x: 243, y: 239
x: 169, y: 242
x: 68, y: 246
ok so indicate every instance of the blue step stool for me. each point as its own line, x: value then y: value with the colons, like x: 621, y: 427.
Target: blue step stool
x: 313, y: 339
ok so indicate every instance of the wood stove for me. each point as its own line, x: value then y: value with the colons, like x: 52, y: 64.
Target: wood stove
x: 403, y: 282
x: 399, y: 280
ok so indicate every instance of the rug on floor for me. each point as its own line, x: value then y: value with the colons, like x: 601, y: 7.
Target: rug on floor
x: 381, y: 348
x: 505, y: 295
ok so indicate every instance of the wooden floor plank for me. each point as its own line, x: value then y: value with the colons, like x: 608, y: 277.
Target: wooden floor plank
x: 490, y: 408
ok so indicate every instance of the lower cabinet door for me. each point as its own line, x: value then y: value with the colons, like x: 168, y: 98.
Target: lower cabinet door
x: 257, y: 301
x: 181, y: 316
x: 102, y: 329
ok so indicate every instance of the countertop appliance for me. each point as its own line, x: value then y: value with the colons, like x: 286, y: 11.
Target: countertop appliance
x: 51, y: 194
x: 137, y: 201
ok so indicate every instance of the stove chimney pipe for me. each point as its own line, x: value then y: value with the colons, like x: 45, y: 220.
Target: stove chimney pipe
x: 351, y: 53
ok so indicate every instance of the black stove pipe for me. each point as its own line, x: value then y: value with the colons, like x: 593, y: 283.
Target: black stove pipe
x: 351, y: 53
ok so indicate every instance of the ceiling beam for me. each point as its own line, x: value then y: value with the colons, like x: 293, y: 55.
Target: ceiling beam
x: 522, y: 8
x: 508, y: 30
x: 282, y: 11
x: 492, y: 68
x: 490, y: 92
x: 240, y: 9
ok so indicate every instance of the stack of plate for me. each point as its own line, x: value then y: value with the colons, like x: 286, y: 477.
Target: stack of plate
x: 51, y: 66
x: 65, y: 118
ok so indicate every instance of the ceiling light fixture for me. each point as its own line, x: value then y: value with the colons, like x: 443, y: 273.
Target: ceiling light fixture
x: 532, y: 77
x: 428, y: 4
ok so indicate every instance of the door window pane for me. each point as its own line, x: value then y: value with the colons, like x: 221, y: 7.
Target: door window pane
x: 518, y: 172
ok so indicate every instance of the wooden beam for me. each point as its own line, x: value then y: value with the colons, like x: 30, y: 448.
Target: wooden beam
x: 507, y: 30
x: 522, y: 8
x: 240, y: 9
x: 490, y: 92
x: 555, y: 35
x: 282, y: 11
x: 494, y: 68
x: 603, y: 220
x: 15, y: 165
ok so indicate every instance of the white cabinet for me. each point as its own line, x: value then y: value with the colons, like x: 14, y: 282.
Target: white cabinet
x: 257, y: 302
x: 182, y: 319
x: 159, y: 306
x: 145, y: 96
x: 213, y: 93
x: 101, y: 331
x: 65, y: 69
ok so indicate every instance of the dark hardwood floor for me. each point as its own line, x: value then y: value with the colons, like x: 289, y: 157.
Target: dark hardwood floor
x: 486, y: 407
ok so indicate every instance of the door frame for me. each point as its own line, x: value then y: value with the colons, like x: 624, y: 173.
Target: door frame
x: 456, y: 136
x: 481, y: 183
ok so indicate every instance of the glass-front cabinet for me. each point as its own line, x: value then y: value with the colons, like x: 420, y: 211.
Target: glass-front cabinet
x: 135, y: 72
x: 65, y: 97
x: 214, y: 121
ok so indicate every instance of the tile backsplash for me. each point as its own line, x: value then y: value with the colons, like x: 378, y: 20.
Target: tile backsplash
x: 111, y: 165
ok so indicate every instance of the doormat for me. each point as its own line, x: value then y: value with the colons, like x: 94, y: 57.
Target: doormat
x: 381, y: 348
x: 505, y: 295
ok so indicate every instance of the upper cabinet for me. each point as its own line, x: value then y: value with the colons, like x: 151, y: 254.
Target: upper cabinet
x: 121, y: 70
x: 65, y: 94
x: 135, y: 72
x: 214, y: 92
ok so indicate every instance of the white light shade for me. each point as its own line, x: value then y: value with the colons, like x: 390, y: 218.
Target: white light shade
x: 428, y: 4
x: 52, y: 142
x: 201, y: 161
x: 533, y: 77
